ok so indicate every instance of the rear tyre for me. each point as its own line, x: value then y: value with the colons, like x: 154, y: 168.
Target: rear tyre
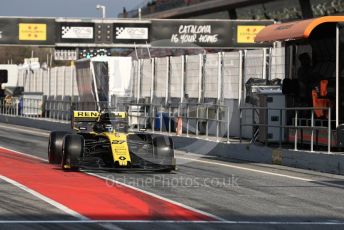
x: 55, y: 147
x: 73, y: 147
x: 163, y: 149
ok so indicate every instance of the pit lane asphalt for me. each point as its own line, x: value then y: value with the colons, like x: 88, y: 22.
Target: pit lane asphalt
x: 244, y: 194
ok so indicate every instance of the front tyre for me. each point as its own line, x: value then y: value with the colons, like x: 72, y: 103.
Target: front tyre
x: 55, y: 147
x: 73, y: 147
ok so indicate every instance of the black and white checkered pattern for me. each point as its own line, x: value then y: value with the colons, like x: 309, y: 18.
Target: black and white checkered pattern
x: 119, y: 30
x: 65, y: 29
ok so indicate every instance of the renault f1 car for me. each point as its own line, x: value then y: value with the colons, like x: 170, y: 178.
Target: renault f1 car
x: 102, y: 141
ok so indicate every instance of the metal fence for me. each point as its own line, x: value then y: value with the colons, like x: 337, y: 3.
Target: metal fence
x: 200, y: 120
x: 54, y: 110
x: 296, y: 123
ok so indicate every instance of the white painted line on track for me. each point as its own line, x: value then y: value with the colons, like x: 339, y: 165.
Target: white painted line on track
x: 110, y: 226
x: 25, y: 154
x: 157, y: 196
x: 228, y: 165
x: 26, y: 130
x: 338, y: 223
x: 44, y: 198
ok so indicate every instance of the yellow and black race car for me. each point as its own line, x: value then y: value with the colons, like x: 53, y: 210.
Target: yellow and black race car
x: 102, y: 141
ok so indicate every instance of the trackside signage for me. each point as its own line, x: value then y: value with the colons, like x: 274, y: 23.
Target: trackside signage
x: 186, y: 33
x: 75, y: 32
x: 246, y: 31
x: 131, y: 33
x: 164, y: 33
x: 27, y: 31
x: 32, y: 31
x: 8, y: 32
x: 86, y: 114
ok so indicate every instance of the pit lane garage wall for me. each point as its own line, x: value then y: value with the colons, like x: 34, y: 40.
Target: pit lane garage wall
x: 52, y: 82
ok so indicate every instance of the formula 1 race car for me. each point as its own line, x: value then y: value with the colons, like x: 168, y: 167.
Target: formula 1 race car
x: 101, y: 140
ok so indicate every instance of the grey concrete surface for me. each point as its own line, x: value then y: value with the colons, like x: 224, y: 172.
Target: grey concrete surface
x: 18, y: 205
x: 275, y: 196
x: 34, y: 123
x: 43, y: 226
x: 318, y: 161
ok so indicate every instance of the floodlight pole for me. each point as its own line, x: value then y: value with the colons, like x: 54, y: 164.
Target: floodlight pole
x: 103, y: 8
x: 337, y: 74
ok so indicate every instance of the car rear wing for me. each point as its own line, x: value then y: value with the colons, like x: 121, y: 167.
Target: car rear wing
x: 114, y: 115
x: 86, y: 116
x: 82, y: 119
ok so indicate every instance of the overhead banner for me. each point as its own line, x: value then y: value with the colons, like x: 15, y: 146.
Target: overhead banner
x: 27, y: 31
x: 164, y: 33
x: 246, y: 34
x: 191, y: 33
x: 75, y: 32
x: 8, y: 31
x: 246, y: 31
x: 131, y: 33
x: 32, y: 32
x: 70, y: 32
